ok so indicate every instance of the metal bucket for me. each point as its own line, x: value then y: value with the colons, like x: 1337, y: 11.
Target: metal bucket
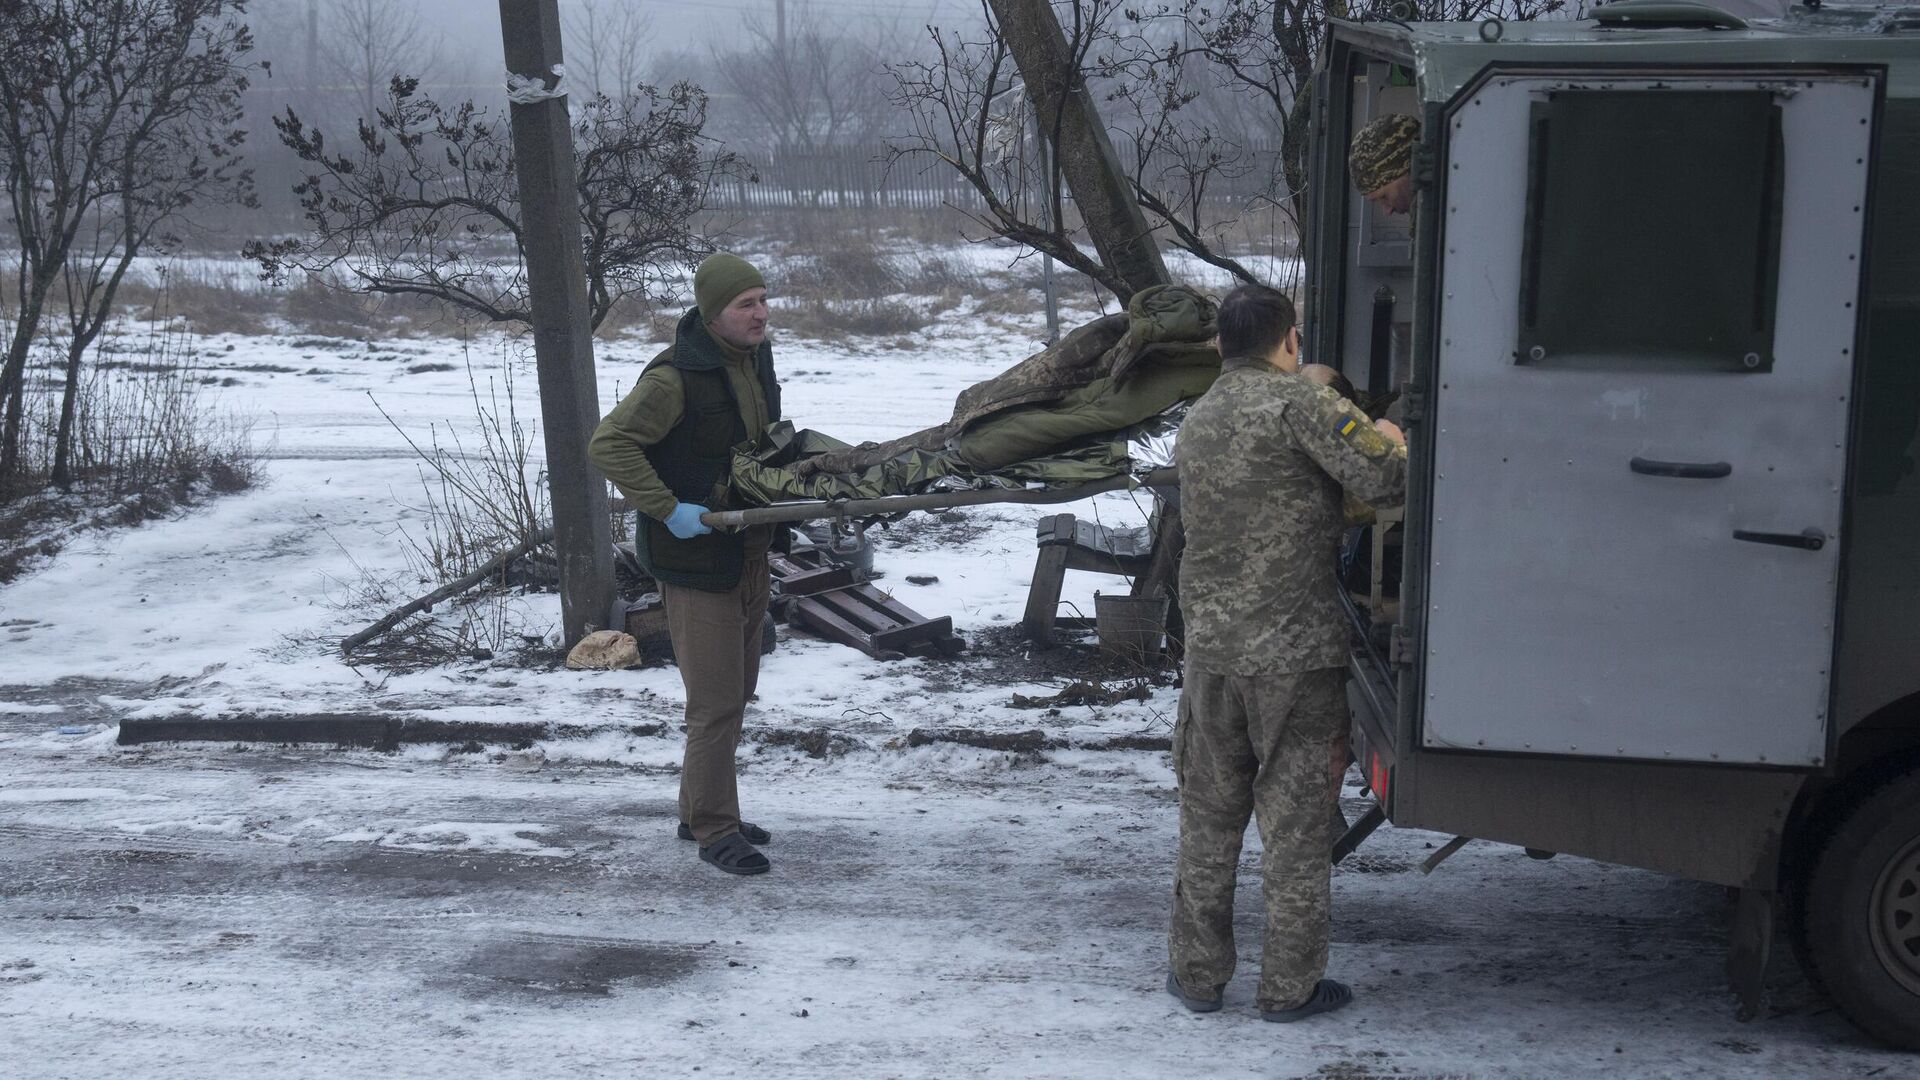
x: 1131, y: 628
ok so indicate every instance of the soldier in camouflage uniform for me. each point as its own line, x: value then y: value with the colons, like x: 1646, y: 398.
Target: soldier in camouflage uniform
x: 1380, y: 161
x: 1263, y: 459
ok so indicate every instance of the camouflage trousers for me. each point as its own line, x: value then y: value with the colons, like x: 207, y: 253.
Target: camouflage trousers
x: 1245, y: 746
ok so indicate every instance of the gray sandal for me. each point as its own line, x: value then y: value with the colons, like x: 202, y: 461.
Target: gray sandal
x: 734, y: 855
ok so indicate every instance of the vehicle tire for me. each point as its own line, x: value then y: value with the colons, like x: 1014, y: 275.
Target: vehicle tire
x: 1862, y: 913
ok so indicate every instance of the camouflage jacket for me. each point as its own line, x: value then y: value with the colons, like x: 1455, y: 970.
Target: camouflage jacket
x: 1263, y: 457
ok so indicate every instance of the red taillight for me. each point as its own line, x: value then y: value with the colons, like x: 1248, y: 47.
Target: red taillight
x: 1378, y: 776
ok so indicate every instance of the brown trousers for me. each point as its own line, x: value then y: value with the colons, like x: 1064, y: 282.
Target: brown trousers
x: 716, y: 642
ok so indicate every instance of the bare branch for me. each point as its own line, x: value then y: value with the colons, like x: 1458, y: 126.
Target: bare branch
x: 426, y: 202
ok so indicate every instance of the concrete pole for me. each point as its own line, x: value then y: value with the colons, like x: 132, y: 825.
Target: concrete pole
x: 1045, y: 165
x: 562, y: 329
x: 1086, y: 158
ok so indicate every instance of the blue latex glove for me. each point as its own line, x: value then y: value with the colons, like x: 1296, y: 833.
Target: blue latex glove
x: 685, y: 522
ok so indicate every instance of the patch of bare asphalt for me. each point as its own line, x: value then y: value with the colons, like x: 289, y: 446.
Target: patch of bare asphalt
x: 561, y: 969
x: 466, y: 868
x: 78, y: 697
x: 55, y: 881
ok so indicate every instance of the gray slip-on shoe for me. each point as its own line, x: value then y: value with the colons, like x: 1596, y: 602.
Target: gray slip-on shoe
x: 1327, y: 996
x: 1193, y: 1002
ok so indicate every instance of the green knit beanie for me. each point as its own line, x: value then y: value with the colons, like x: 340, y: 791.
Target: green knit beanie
x: 720, y: 278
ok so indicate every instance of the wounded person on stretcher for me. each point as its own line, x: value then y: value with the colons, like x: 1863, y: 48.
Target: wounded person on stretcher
x: 1053, y: 417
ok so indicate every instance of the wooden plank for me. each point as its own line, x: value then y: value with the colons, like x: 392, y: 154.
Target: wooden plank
x: 1043, y: 595
x: 1162, y: 575
x: 813, y: 615
x: 810, y: 582
x: 1079, y: 558
x: 860, y: 605
x: 900, y: 637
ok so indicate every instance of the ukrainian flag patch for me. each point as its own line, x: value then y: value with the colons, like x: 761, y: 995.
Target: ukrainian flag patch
x: 1346, y: 426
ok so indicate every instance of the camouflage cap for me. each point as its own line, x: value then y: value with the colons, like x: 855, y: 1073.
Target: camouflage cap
x: 1382, y: 152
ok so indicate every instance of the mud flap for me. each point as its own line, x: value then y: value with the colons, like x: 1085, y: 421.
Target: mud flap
x: 1749, y: 945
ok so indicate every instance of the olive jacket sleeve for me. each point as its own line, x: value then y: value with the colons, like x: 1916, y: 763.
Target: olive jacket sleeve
x: 642, y: 419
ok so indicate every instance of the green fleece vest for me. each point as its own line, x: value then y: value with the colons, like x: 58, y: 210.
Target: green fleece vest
x: 695, y: 456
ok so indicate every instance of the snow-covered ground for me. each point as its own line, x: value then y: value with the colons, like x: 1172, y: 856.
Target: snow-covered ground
x: 984, y: 259
x: 934, y: 911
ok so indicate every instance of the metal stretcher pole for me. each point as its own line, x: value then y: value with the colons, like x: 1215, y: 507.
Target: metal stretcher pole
x: 897, y: 504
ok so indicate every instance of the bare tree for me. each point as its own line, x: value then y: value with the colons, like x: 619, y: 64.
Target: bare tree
x: 1170, y: 75
x: 1263, y: 49
x: 367, y: 43
x: 604, y: 43
x: 809, y: 87
x: 424, y: 201
x: 123, y: 116
x: 965, y: 107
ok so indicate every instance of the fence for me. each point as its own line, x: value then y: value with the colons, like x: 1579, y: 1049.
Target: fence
x: 862, y: 177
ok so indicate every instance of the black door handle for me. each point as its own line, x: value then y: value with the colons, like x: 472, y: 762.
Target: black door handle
x: 1809, y: 539
x: 1681, y: 470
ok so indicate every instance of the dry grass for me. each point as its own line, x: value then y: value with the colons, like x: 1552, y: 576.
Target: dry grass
x: 144, y: 443
x: 824, y: 227
x: 839, y: 320
x: 206, y: 307
x: 853, y: 288
x: 139, y: 420
x: 481, y: 495
x: 215, y: 306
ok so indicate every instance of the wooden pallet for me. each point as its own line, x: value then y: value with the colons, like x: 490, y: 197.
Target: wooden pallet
x: 827, y: 600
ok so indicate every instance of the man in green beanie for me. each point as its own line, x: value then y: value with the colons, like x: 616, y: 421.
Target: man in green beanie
x: 668, y: 447
x: 1380, y: 161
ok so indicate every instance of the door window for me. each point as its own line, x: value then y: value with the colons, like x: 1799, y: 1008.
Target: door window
x: 1653, y: 232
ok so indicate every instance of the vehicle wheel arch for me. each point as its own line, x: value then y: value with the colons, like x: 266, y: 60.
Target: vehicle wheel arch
x: 1883, y: 745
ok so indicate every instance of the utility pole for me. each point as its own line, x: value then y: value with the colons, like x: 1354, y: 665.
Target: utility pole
x: 1086, y: 159
x: 1047, y: 181
x: 780, y: 24
x: 562, y: 331
x: 313, y: 46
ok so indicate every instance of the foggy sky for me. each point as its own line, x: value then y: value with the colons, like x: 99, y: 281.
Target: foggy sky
x: 469, y: 30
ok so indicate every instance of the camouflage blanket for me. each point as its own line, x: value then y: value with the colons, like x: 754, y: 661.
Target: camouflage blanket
x: 770, y: 476
x: 1115, y: 371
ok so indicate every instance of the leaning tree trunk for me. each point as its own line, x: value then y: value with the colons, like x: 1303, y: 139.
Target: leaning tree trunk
x: 1293, y: 160
x: 1071, y: 122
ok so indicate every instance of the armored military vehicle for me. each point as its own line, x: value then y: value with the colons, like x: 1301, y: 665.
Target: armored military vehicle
x: 1655, y: 319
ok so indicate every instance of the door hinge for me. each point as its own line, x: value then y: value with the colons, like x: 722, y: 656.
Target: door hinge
x: 1403, y: 646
